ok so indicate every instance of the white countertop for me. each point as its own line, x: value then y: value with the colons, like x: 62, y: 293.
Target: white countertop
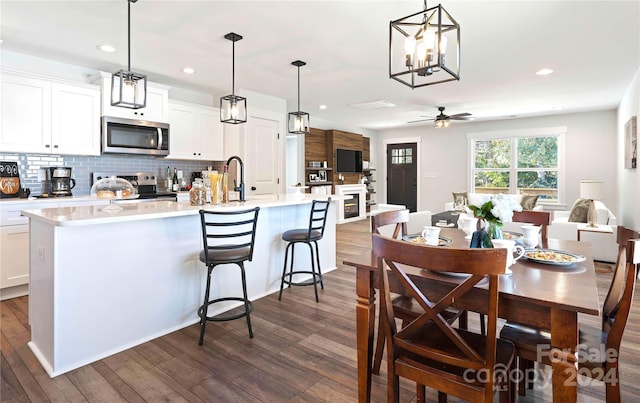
x: 17, y: 200
x: 95, y: 214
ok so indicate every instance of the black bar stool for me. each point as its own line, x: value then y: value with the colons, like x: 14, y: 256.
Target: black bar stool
x: 228, y: 238
x: 312, y: 234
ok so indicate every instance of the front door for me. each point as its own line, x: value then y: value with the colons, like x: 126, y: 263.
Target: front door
x: 402, y: 175
x: 262, y: 148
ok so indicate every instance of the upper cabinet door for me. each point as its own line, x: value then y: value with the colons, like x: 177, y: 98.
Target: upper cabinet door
x: 75, y: 119
x: 25, y: 114
x: 212, y: 140
x: 195, y: 132
x: 182, y: 132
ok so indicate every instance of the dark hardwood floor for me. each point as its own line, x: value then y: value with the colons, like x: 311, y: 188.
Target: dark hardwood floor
x: 302, y: 351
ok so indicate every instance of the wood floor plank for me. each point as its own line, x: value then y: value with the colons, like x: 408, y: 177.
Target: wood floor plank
x: 302, y: 351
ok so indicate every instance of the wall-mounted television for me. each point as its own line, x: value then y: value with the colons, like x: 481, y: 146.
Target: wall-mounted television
x: 348, y: 160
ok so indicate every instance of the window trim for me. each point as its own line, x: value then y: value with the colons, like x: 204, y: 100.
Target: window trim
x: 560, y: 131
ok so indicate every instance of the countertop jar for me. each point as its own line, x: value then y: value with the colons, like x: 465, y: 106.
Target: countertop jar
x: 197, y: 194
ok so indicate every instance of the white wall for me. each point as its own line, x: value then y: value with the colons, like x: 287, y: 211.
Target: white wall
x: 590, y: 152
x: 628, y: 179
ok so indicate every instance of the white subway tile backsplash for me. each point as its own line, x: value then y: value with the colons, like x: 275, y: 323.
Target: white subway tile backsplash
x: 29, y: 166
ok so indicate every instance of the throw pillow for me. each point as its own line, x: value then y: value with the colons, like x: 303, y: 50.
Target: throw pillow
x: 528, y: 202
x: 460, y: 199
x: 579, y: 211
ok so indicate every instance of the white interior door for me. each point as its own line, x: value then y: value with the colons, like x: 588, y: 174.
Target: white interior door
x: 263, y: 154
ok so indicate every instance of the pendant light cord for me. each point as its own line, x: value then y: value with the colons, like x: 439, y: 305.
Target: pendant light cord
x: 233, y: 67
x: 129, y: 35
x: 298, y: 88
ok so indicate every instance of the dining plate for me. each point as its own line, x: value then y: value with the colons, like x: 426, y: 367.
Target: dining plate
x: 445, y: 225
x: 417, y: 238
x: 512, y: 235
x: 553, y: 257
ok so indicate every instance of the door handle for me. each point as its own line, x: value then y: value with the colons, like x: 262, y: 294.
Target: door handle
x: 253, y: 188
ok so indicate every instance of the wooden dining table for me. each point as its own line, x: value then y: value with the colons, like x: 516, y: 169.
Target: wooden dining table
x: 534, y: 294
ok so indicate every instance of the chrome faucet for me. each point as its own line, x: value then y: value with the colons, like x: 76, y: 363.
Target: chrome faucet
x: 235, y: 187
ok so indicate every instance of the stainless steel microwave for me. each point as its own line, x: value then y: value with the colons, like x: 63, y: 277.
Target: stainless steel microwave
x: 130, y: 136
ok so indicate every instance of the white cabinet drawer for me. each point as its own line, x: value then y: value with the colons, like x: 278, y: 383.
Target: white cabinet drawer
x: 10, y: 213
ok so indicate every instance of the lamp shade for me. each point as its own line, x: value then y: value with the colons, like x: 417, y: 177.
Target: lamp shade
x: 592, y: 190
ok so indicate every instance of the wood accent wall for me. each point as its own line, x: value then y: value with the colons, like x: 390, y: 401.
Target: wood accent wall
x: 321, y: 145
x: 315, y: 147
x: 350, y: 141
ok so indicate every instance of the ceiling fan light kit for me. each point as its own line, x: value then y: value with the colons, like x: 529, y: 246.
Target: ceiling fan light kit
x: 129, y: 89
x: 424, y: 48
x: 233, y: 108
x: 298, y: 121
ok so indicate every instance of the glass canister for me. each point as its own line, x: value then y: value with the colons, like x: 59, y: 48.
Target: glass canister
x: 197, y: 194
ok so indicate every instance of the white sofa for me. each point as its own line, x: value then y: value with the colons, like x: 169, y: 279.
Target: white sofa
x: 604, y: 246
x: 478, y: 199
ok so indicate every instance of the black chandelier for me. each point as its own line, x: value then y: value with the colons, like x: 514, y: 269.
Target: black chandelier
x: 418, y: 45
x: 298, y: 121
x: 233, y: 108
x: 129, y: 89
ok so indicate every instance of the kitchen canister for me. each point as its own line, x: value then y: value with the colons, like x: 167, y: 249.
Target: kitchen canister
x: 9, y: 180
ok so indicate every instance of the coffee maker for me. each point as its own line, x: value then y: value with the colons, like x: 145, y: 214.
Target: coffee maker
x: 60, y: 181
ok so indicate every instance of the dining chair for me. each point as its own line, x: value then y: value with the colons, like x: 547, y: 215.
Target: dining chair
x: 429, y: 350
x: 541, y: 218
x: 394, y: 224
x: 615, y: 313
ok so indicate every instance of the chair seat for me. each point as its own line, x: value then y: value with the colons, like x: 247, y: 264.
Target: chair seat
x: 433, y: 338
x: 526, y: 340
x: 300, y: 235
x: 231, y: 255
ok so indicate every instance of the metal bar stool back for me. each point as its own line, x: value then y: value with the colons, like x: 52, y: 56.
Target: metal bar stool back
x: 228, y: 238
x: 310, y: 235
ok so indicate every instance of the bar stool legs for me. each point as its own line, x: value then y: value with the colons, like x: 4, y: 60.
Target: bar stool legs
x: 248, y: 306
x: 316, y: 271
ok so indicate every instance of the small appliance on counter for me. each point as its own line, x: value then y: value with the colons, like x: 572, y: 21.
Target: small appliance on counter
x: 61, y: 181
x: 56, y: 182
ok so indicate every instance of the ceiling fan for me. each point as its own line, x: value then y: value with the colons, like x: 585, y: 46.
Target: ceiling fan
x: 442, y: 120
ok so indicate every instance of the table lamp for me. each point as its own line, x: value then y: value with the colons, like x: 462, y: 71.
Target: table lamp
x: 591, y: 190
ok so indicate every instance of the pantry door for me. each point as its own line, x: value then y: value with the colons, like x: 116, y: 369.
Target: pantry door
x: 263, y: 143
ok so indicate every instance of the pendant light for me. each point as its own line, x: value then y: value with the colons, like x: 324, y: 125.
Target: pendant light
x: 233, y: 108
x: 298, y: 121
x: 418, y: 44
x: 129, y: 89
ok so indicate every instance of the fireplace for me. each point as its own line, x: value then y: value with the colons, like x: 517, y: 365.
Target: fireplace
x: 351, y: 209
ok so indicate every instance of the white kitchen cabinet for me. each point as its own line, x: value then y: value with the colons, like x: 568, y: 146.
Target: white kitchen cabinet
x: 45, y: 116
x: 14, y: 255
x: 14, y: 240
x: 157, y: 109
x: 75, y: 119
x: 196, y: 132
x: 25, y: 114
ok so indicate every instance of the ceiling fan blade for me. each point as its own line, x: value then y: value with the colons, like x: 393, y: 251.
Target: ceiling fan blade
x: 460, y: 116
x: 421, y: 120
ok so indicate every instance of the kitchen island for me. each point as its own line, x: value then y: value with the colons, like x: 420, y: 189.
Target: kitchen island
x: 103, y: 282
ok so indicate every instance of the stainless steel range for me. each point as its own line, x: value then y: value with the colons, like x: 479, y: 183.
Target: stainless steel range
x: 145, y: 184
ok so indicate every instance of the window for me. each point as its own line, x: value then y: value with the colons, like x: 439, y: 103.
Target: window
x: 528, y: 162
x: 401, y: 156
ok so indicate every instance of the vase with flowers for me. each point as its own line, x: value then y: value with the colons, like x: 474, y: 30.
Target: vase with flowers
x: 495, y: 212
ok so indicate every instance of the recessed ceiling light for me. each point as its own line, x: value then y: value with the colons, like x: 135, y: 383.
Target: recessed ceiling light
x: 323, y: 107
x: 188, y: 70
x: 544, y: 72
x: 106, y: 48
